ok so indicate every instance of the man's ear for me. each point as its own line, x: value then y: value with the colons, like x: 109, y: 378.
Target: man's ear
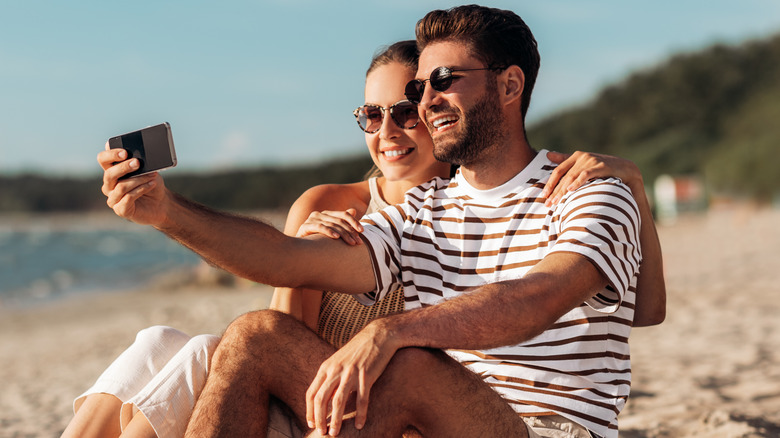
x: 511, y: 84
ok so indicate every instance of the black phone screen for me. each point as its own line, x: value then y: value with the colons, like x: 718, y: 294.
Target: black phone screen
x: 152, y: 146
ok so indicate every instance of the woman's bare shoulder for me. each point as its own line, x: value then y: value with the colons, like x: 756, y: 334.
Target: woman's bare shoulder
x: 334, y: 197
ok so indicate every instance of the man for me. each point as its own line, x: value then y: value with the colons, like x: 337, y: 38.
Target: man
x: 535, y: 301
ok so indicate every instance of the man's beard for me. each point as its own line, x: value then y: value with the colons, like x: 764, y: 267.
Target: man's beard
x: 482, y: 128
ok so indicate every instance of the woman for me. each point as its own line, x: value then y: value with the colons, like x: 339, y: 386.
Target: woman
x: 402, y: 151
x: 401, y: 148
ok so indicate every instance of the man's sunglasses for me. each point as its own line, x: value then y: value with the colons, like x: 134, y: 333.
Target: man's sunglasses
x: 441, y: 79
x: 404, y: 114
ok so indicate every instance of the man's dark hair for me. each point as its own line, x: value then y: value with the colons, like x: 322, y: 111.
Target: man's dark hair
x: 498, y: 37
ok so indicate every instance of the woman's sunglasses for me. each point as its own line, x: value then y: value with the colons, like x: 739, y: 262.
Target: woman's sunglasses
x: 441, y: 79
x: 404, y: 114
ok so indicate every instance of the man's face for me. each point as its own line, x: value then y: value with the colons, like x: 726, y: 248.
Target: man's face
x: 465, y: 119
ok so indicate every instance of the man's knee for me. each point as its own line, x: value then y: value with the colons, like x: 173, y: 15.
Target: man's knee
x: 255, y: 334
x: 255, y: 325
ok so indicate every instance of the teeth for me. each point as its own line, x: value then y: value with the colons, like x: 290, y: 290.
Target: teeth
x: 438, y: 123
x: 397, y: 152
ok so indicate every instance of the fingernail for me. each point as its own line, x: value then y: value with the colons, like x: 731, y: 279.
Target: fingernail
x: 134, y: 164
x: 310, y: 424
x: 123, y: 154
x: 545, y: 193
x: 358, y: 425
x: 332, y: 432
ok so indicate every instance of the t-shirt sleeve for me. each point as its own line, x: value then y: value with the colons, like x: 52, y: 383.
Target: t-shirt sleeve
x: 601, y: 222
x: 382, y: 235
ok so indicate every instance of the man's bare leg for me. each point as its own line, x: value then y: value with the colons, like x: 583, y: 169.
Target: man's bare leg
x: 428, y: 390
x: 268, y: 353
x: 261, y: 353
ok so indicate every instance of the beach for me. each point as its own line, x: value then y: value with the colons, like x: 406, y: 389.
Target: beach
x: 712, y: 369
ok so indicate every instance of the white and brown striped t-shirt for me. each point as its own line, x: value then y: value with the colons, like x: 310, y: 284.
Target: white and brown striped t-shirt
x: 448, y: 237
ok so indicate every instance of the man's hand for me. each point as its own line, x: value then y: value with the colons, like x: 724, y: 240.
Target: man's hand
x: 139, y: 199
x: 352, y: 369
x: 576, y: 169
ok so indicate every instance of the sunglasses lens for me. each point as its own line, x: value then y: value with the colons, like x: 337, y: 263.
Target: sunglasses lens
x: 405, y: 115
x: 441, y: 79
x: 414, y: 91
x: 370, y: 118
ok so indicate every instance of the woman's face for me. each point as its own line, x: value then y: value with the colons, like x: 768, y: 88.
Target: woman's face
x: 401, y: 154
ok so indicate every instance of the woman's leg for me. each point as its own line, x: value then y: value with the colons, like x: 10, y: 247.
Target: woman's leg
x: 139, y: 427
x: 167, y: 401
x: 97, y: 417
x: 131, y: 371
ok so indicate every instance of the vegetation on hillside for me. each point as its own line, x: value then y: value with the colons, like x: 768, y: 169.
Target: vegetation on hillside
x: 251, y: 189
x: 712, y: 113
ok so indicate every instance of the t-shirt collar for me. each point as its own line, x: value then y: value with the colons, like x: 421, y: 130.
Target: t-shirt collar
x: 523, y: 178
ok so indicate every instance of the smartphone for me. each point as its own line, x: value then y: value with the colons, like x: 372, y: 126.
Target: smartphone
x: 152, y: 146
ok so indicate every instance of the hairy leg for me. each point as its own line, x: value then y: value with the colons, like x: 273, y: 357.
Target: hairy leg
x: 98, y: 416
x: 429, y: 391
x: 269, y: 353
x: 261, y: 353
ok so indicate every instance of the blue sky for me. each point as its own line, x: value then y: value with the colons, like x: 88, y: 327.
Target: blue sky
x: 247, y: 83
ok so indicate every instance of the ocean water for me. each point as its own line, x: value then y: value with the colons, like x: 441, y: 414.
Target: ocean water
x: 44, y: 260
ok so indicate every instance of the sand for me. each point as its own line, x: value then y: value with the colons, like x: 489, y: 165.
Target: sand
x: 712, y: 369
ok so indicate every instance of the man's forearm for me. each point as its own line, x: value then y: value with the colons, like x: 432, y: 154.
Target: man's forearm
x: 259, y: 252
x: 499, y: 314
x: 471, y: 321
x: 235, y: 243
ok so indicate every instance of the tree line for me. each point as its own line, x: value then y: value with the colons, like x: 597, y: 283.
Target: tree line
x: 712, y: 113
x: 237, y: 190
